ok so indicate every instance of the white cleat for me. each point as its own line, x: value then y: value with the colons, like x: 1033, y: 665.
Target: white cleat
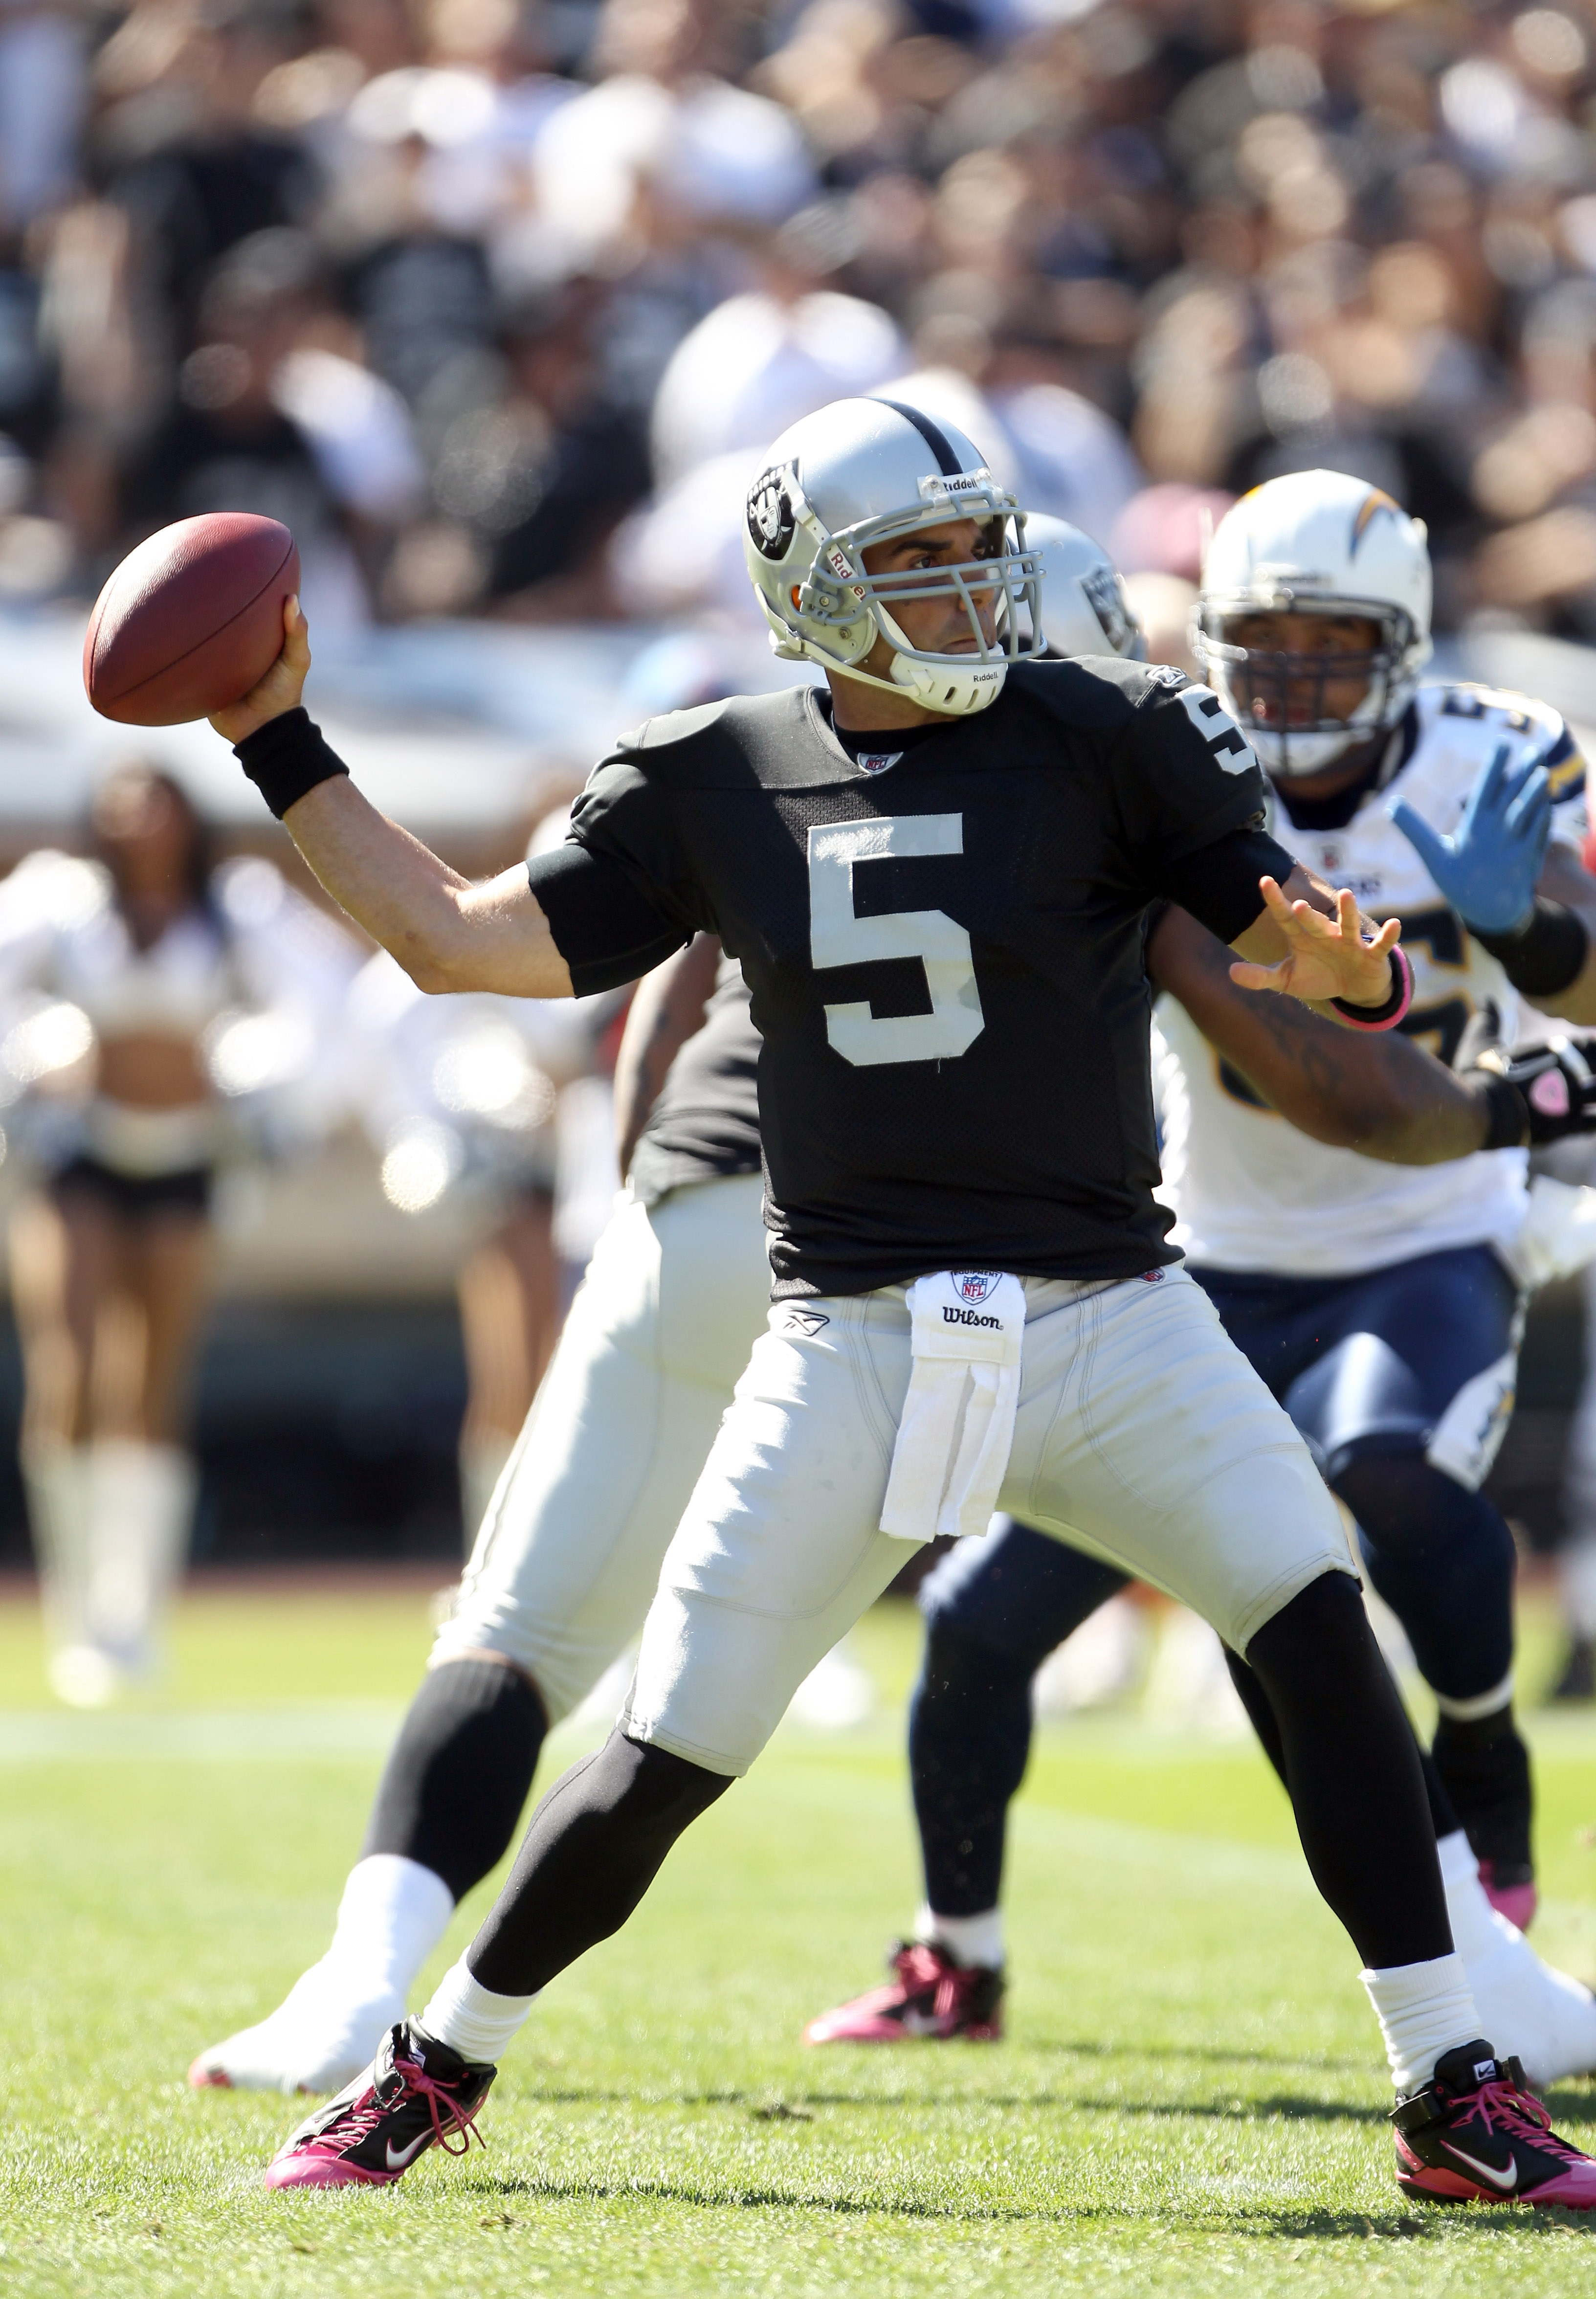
x: 316, y: 2041
x: 1541, y: 2014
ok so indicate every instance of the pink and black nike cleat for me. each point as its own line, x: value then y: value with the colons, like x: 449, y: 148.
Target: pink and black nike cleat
x: 930, y: 1995
x: 1477, y: 2135
x: 416, y: 2093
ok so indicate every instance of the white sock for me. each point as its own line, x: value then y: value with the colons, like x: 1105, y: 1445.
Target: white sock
x: 471, y: 2021
x: 392, y: 1914
x: 140, y: 1508
x: 1472, y: 1918
x: 968, y: 1939
x: 1424, y: 2009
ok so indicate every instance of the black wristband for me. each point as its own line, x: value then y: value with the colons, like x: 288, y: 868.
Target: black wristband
x: 1546, y: 953
x: 1507, y: 1113
x: 286, y: 757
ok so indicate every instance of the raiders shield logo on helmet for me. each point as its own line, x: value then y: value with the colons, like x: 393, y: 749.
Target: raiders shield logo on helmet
x: 770, y: 514
x: 1108, y: 602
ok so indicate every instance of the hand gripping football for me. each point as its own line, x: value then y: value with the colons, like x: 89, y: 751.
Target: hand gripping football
x: 190, y: 620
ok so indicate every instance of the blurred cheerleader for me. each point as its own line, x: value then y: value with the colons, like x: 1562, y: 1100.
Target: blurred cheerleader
x: 135, y: 971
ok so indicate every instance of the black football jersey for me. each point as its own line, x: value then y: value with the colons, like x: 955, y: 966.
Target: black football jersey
x: 945, y: 956
x: 705, y: 1120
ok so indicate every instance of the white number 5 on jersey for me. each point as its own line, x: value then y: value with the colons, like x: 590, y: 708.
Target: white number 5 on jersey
x: 1230, y: 747
x: 838, y: 937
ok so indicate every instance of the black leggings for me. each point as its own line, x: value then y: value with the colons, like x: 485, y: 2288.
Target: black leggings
x: 1443, y: 1816
x: 459, y: 1774
x: 1351, y: 1766
x: 596, y: 1844
x: 597, y: 1839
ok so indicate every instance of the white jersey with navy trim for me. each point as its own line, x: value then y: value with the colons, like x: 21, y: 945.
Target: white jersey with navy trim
x: 1248, y: 1191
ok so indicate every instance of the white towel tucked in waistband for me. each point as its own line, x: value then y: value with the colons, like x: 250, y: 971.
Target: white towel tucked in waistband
x: 958, y: 1419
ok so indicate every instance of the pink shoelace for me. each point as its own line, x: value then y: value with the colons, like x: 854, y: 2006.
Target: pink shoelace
x: 364, y: 2119
x: 1501, y: 2106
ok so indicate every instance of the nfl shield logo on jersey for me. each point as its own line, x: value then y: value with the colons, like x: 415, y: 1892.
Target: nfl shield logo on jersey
x: 975, y: 1284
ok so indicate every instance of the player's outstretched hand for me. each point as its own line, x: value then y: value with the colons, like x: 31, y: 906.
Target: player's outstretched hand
x: 1326, y: 958
x: 281, y: 688
x: 1488, y: 868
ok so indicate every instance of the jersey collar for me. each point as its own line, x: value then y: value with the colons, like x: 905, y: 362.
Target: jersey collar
x: 889, y: 743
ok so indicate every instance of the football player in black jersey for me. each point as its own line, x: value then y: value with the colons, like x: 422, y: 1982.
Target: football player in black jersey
x: 935, y: 880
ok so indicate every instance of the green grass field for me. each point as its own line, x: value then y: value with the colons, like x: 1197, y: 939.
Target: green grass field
x: 1189, y: 2100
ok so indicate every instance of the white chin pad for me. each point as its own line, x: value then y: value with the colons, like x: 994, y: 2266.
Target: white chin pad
x: 1303, y: 754
x: 956, y: 688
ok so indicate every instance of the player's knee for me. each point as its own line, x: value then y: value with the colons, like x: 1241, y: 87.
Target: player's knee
x: 961, y: 1673
x: 654, y: 1791
x: 1413, y: 1516
x: 970, y: 1722
x: 1320, y: 1638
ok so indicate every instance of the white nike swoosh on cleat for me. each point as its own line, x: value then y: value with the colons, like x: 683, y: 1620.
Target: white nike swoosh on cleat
x: 1504, y: 2182
x: 398, y: 2157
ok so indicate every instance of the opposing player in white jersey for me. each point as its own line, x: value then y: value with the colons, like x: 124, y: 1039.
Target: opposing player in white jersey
x: 1437, y: 806
x: 1379, y: 1302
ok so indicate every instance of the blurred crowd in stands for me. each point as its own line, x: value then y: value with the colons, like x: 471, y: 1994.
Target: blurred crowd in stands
x: 495, y: 301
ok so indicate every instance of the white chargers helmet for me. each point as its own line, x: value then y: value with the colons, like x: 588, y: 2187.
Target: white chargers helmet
x: 1314, y: 543
x: 863, y: 471
x: 1083, y: 597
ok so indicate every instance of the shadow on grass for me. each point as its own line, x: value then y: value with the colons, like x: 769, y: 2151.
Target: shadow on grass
x: 1205, y: 2054
x: 1294, y: 2106
x: 1274, y: 2226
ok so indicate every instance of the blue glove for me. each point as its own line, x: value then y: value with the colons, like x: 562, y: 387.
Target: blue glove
x: 1488, y: 868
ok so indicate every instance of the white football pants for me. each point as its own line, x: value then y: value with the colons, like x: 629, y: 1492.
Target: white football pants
x: 568, y: 1559
x: 1143, y: 1435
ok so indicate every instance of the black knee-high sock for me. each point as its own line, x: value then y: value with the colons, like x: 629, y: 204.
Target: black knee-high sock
x: 1443, y: 1817
x: 969, y: 1725
x: 1485, y: 1765
x: 1352, y: 1771
x: 595, y: 1846
x: 457, y: 1776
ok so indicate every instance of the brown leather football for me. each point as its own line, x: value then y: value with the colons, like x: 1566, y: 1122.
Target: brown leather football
x: 190, y: 620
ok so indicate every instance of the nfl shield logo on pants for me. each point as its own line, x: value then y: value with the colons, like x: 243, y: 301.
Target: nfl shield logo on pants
x: 975, y: 1284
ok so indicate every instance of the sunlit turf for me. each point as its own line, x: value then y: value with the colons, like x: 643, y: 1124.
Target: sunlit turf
x: 1188, y: 2101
